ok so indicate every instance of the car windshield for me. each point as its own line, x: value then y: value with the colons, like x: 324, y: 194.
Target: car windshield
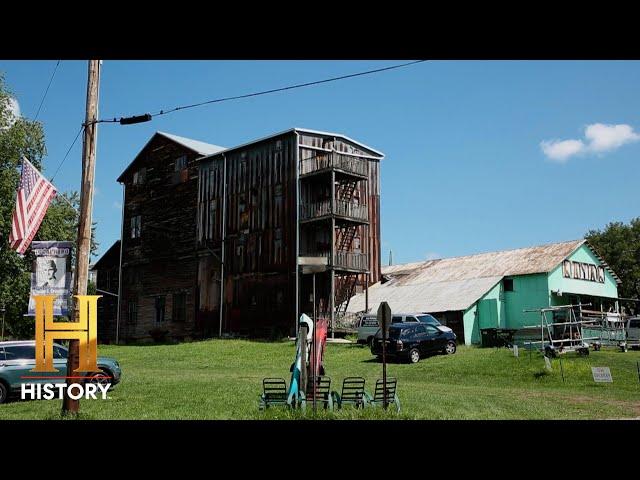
x: 429, y: 320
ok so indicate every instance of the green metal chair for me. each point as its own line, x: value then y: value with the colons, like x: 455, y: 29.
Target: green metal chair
x: 322, y: 393
x: 274, y: 393
x: 352, y: 393
x: 378, y: 396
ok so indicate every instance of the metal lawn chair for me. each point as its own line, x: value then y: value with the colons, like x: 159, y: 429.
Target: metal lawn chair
x: 352, y: 393
x: 274, y: 392
x: 378, y: 396
x: 322, y: 393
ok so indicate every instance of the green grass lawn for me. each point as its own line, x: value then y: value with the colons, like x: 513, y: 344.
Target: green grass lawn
x: 221, y: 379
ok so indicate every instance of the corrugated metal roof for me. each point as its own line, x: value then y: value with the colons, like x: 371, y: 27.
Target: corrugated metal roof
x: 303, y: 130
x: 425, y: 297
x: 451, y: 284
x: 200, y: 148
x: 521, y: 261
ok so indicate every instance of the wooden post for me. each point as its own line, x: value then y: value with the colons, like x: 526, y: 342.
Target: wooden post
x: 333, y: 252
x: 84, y: 227
x: 314, y: 346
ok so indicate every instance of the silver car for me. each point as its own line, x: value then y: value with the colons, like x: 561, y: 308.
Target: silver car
x: 18, y: 358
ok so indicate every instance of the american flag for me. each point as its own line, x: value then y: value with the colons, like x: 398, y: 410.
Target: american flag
x: 32, y: 200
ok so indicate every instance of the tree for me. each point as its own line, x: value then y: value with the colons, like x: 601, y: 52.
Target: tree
x: 21, y: 137
x: 619, y: 245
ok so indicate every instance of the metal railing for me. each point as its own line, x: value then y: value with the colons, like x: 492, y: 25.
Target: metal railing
x: 351, y: 260
x: 347, y: 260
x: 343, y: 208
x: 327, y: 160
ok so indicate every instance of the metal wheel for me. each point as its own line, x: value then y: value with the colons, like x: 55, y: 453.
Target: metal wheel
x: 450, y: 348
x: 4, y: 393
x: 100, y: 378
x: 414, y: 355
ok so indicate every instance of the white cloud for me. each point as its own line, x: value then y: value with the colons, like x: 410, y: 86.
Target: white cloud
x: 599, y: 138
x: 603, y: 137
x: 117, y: 205
x: 432, y: 256
x: 561, y: 150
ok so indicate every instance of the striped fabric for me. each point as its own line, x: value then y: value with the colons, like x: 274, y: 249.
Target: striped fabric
x: 32, y: 200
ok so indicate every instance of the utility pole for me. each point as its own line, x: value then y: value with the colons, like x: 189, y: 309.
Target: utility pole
x: 84, y: 227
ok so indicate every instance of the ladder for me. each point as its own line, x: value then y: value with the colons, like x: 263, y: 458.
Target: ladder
x: 346, y: 237
x: 347, y: 190
x: 344, y: 292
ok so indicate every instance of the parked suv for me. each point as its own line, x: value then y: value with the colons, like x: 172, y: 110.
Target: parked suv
x: 18, y: 358
x: 411, y: 340
x: 368, y: 325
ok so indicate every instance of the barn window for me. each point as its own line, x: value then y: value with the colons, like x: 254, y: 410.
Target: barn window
x: 132, y: 312
x: 181, y: 163
x: 179, y: 307
x: 160, y: 309
x: 136, y: 226
x: 508, y: 284
x: 139, y: 176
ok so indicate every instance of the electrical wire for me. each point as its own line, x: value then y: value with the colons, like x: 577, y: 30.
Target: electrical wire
x: 67, y: 154
x: 46, y: 91
x: 265, y: 92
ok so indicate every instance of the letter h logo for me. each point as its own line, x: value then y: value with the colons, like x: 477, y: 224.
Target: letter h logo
x: 85, y: 331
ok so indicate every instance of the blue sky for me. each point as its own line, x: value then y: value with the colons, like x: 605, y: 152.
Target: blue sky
x: 466, y: 169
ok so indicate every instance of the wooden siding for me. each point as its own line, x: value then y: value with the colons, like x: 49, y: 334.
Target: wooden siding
x: 260, y: 247
x: 162, y: 261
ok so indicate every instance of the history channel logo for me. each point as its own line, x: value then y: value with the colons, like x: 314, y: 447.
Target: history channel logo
x: 85, y: 331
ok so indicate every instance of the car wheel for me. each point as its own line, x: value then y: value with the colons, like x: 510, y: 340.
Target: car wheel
x: 100, y: 378
x: 450, y: 348
x: 414, y: 355
x: 4, y: 393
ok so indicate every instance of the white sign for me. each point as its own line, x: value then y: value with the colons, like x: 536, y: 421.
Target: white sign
x: 583, y: 271
x: 601, y: 374
x: 515, y: 351
x: 547, y: 363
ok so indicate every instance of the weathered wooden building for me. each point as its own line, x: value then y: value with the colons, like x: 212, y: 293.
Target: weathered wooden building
x: 267, y: 207
x: 106, y: 275
x: 159, y: 296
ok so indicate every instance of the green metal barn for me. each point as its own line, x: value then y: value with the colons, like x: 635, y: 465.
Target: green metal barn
x: 492, y: 290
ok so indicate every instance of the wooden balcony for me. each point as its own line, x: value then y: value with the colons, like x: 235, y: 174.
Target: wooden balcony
x: 327, y: 161
x: 346, y: 261
x: 356, y: 212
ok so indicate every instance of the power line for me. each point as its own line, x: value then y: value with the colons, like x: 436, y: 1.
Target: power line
x: 147, y: 117
x: 67, y: 154
x: 46, y: 91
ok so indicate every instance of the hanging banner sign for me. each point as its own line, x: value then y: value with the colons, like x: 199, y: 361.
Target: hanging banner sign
x: 51, y: 275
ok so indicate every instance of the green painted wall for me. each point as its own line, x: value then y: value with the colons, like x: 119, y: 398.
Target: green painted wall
x: 500, y: 309
x: 488, y: 312
x: 583, y: 287
x: 471, y: 331
x: 529, y: 291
